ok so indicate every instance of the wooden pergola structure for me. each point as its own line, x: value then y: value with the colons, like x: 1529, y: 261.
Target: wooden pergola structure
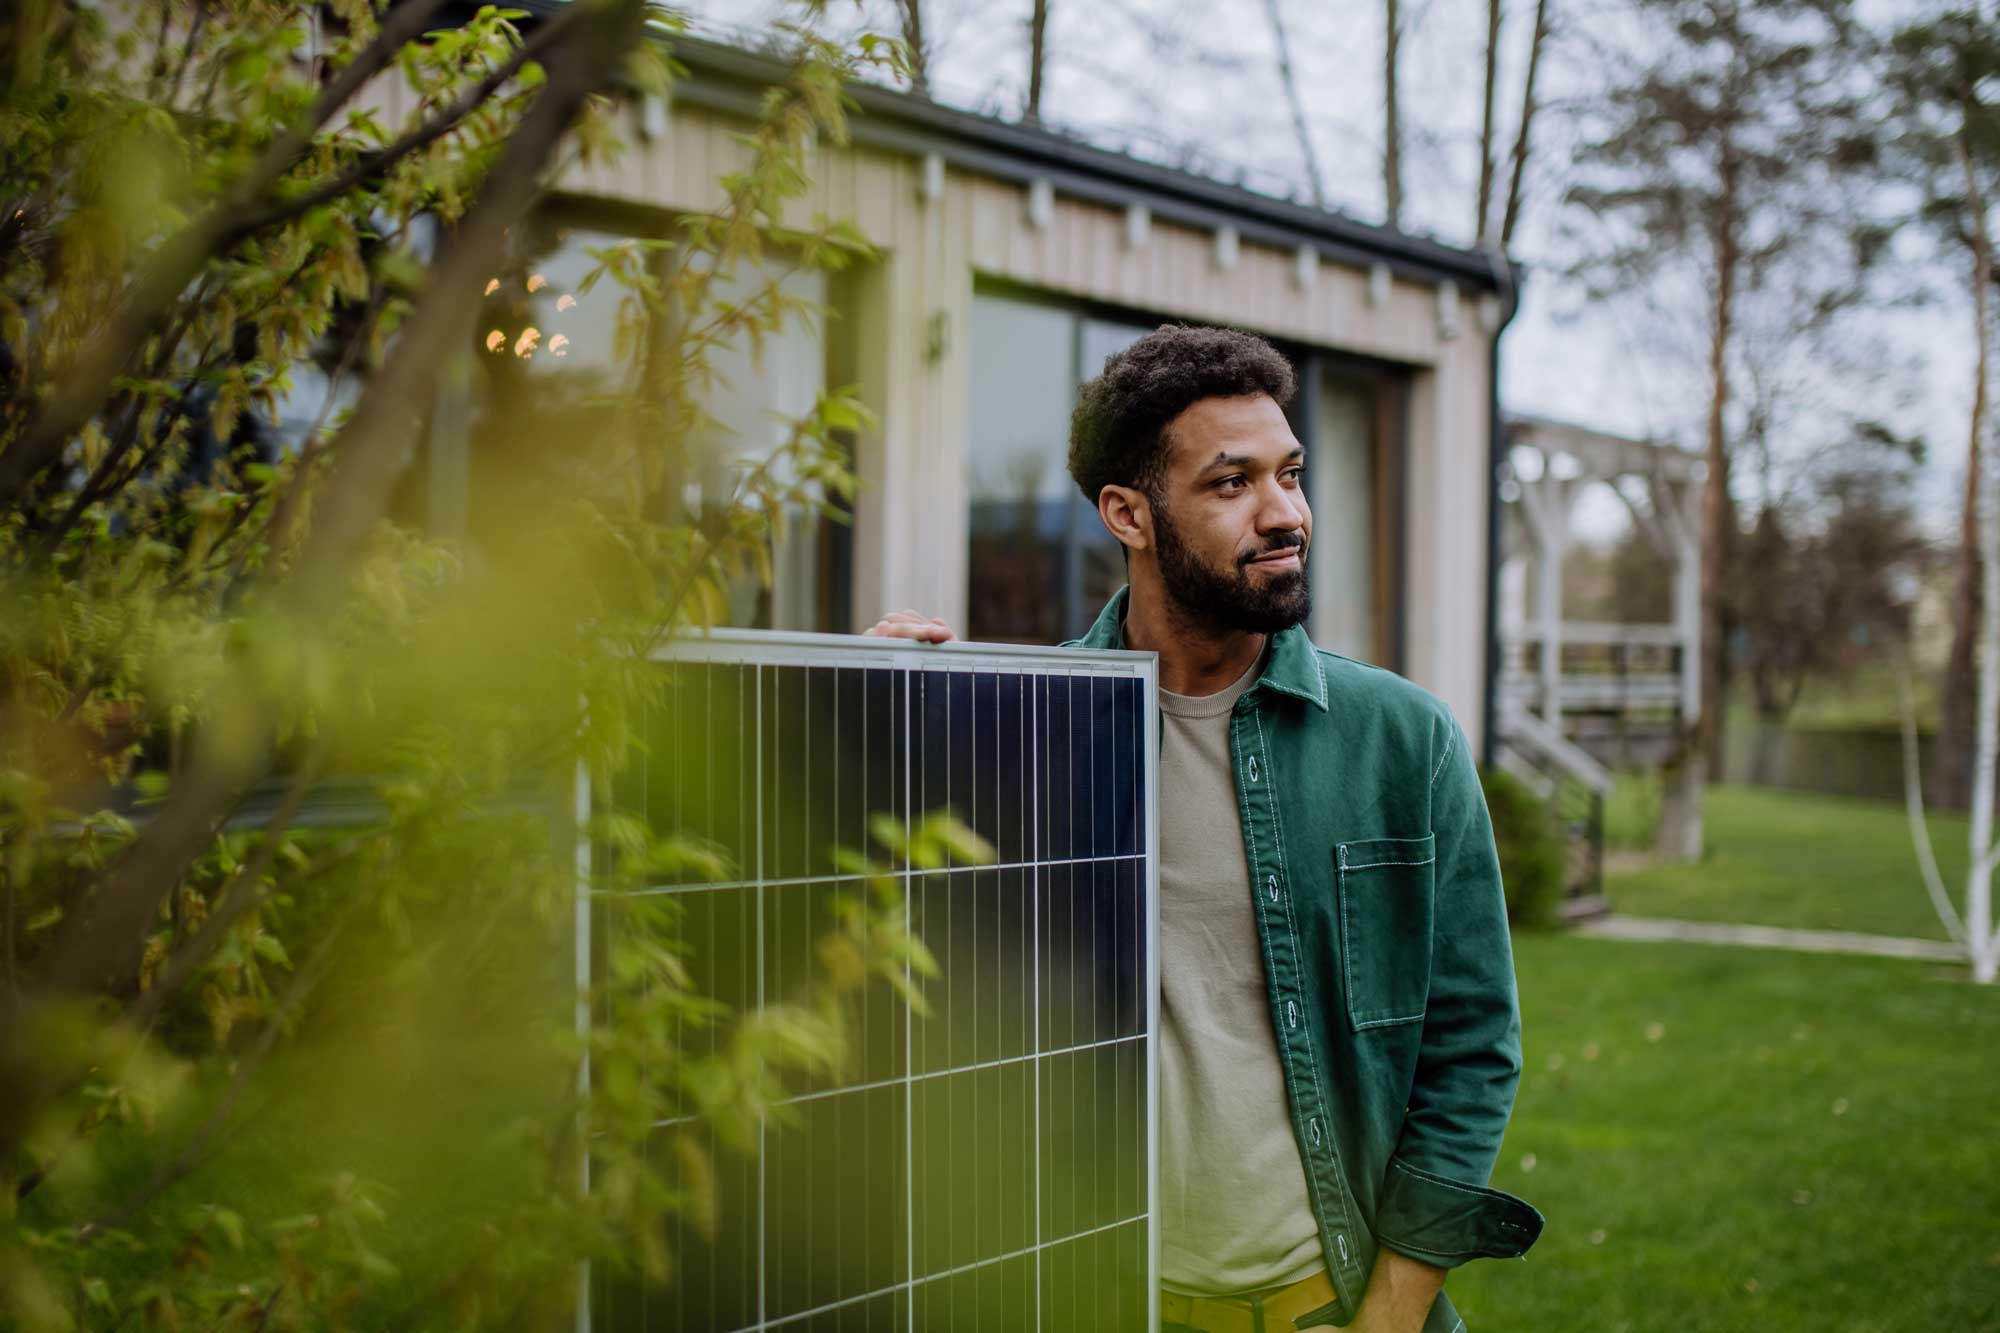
x: 1577, y: 696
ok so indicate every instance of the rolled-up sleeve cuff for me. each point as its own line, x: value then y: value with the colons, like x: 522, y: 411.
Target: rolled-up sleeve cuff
x: 1446, y: 1222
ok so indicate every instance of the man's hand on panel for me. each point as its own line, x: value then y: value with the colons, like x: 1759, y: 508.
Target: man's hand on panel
x: 911, y: 625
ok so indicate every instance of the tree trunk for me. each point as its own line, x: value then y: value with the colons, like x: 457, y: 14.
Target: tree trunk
x: 1519, y: 168
x: 1679, y: 837
x: 1697, y: 753
x: 912, y: 12
x: 1717, y: 512
x: 1986, y: 752
x: 1392, y: 129
x: 1482, y: 213
x: 1951, y: 767
x: 1725, y: 667
x: 1766, y: 747
x: 1291, y: 83
x: 1038, y: 36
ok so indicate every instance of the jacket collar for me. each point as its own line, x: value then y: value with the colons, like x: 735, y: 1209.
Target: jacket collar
x: 1291, y: 667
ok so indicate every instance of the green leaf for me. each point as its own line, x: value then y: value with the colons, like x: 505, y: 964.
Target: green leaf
x: 230, y: 1224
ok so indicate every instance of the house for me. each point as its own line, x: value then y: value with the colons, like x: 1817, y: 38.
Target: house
x: 1013, y: 260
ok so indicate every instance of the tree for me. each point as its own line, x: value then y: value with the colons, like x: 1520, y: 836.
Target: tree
x: 222, y: 1021
x: 1941, y: 71
x: 1824, y: 576
x: 1720, y: 155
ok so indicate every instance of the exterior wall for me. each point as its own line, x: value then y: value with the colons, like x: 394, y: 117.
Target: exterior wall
x: 1445, y: 517
x: 908, y: 317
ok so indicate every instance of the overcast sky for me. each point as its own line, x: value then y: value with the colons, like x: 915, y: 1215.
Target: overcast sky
x: 1163, y: 75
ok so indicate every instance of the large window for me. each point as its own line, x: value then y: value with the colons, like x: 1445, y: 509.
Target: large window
x: 1042, y: 563
x: 553, y: 363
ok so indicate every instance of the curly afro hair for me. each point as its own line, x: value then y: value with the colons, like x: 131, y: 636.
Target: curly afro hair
x: 1118, y: 432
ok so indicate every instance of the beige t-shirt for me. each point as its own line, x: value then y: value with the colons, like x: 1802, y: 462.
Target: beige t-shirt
x: 1235, y: 1216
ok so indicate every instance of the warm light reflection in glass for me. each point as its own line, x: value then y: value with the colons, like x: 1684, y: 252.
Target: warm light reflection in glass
x: 495, y: 341
x: 536, y: 282
x: 524, y: 346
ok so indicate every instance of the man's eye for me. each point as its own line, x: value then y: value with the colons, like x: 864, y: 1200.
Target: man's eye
x: 1232, y: 483
x: 1294, y: 474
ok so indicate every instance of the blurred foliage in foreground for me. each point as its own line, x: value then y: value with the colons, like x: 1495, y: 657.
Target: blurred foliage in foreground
x: 269, y: 1059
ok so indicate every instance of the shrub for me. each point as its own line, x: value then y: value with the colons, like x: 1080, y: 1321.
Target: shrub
x: 1532, y: 852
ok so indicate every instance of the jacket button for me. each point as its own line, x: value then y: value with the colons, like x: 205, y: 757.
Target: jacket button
x: 1292, y: 1012
x: 1273, y: 881
x: 1252, y: 766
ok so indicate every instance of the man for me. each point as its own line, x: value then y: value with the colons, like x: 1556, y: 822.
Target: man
x: 1340, y: 1036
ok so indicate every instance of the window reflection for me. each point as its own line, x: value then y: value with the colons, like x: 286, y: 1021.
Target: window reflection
x: 561, y: 395
x: 1041, y: 562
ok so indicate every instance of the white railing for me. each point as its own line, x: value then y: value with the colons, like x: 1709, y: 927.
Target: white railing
x: 1579, y: 691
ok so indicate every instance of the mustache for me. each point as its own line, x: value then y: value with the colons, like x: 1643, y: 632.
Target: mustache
x: 1294, y: 542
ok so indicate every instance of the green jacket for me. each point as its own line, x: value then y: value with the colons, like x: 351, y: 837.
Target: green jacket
x: 1384, y: 931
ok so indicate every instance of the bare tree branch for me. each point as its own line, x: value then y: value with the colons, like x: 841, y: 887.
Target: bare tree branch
x: 1518, y: 166
x: 1038, y: 35
x: 1392, y: 129
x: 912, y: 14
x: 1291, y: 83
x: 1482, y: 214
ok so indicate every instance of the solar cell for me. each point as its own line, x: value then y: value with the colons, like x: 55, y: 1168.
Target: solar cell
x: 988, y: 1166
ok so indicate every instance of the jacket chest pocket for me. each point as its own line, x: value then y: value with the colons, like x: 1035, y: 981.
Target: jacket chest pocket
x: 1387, y: 902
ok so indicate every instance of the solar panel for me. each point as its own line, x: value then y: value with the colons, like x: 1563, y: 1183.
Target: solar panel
x: 990, y: 1165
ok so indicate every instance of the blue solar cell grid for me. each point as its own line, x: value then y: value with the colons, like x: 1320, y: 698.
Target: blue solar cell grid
x: 988, y: 1166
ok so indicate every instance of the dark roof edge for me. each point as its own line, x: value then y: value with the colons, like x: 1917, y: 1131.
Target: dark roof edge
x: 729, y: 79
x: 726, y: 77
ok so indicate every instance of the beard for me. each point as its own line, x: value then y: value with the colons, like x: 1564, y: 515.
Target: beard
x: 1230, y: 599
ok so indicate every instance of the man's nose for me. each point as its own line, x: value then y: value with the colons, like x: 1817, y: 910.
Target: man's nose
x: 1282, y: 511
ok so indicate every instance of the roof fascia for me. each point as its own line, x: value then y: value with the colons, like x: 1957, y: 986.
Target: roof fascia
x: 730, y: 80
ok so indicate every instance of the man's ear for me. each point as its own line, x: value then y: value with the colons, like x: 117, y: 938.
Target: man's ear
x: 1128, y: 514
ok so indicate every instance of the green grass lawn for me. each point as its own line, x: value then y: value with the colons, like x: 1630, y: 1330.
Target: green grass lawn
x: 1727, y: 1139
x: 1784, y: 858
